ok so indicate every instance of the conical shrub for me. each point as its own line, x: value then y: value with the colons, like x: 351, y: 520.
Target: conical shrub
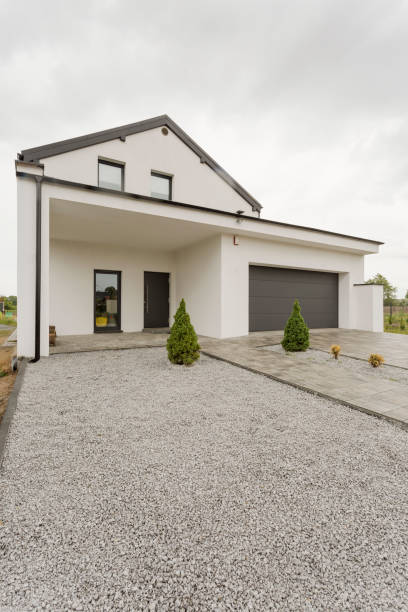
x: 296, y: 336
x: 182, y: 344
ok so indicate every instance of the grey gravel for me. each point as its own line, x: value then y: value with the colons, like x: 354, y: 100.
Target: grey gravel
x: 362, y: 369
x: 130, y: 483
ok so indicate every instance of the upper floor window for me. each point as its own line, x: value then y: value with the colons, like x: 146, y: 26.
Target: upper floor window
x: 111, y: 174
x: 160, y: 186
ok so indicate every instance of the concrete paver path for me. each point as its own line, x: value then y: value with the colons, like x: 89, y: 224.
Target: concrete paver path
x: 387, y: 399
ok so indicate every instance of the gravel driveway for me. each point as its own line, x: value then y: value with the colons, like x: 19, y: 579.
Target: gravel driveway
x: 130, y: 483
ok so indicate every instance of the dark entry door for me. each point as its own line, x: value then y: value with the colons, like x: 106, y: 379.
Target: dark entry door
x: 156, y: 299
x: 272, y: 292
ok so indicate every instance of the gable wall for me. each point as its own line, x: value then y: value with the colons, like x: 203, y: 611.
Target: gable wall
x: 193, y: 182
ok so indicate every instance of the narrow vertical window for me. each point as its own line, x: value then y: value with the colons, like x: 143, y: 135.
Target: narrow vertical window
x: 161, y: 186
x: 111, y: 175
x: 107, y: 298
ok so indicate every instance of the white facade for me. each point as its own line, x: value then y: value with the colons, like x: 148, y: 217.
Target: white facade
x: 84, y: 230
x: 72, y: 265
x: 193, y: 182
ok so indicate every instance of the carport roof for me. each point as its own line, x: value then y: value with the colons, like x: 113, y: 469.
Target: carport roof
x: 173, y: 204
x: 35, y: 154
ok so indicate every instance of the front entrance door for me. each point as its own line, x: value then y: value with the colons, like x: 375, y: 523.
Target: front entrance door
x: 156, y: 299
x: 107, y: 301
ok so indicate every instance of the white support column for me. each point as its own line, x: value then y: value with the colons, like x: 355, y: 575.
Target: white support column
x: 345, y: 309
x: 26, y: 215
x: 26, y: 262
x: 45, y: 272
x: 368, y: 300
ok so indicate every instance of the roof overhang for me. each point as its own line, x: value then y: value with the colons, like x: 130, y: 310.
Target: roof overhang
x: 212, y: 219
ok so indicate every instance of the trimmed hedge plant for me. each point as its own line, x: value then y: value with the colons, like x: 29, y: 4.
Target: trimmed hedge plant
x: 182, y: 344
x: 296, y: 336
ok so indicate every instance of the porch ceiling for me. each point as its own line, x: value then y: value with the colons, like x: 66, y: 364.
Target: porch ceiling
x: 99, y: 224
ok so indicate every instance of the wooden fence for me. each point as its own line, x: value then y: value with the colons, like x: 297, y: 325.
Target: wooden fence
x: 396, y: 310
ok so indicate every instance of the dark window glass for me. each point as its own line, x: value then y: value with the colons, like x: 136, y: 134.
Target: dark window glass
x: 107, y: 300
x: 110, y: 175
x: 160, y: 186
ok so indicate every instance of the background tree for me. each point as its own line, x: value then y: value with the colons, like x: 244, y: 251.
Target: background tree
x: 112, y: 292
x: 10, y: 302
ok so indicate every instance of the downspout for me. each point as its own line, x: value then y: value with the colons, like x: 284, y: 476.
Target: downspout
x: 38, y: 180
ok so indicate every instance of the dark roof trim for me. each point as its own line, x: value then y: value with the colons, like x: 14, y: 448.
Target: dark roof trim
x: 63, y: 146
x: 137, y: 196
x: 29, y: 163
x: 368, y: 284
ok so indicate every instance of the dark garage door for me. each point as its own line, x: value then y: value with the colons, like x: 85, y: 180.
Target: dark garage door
x: 272, y: 292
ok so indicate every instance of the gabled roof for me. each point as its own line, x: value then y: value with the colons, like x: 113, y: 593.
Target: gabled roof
x: 63, y: 146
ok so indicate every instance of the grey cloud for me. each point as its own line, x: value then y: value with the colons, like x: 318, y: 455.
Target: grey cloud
x: 305, y: 103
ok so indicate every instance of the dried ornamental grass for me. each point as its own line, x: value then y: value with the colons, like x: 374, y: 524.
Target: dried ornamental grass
x: 335, y: 350
x: 376, y: 360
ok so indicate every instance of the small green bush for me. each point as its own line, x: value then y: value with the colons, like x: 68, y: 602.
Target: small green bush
x: 402, y: 323
x: 296, y: 336
x: 390, y: 319
x: 182, y: 344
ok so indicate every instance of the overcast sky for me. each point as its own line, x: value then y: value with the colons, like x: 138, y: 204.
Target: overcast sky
x: 304, y: 103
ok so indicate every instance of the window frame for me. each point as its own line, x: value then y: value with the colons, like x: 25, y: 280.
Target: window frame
x: 169, y: 177
x: 115, y: 164
x: 118, y: 328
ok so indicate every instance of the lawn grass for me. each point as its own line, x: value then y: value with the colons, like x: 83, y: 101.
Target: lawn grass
x: 394, y: 330
x: 8, y: 321
x: 7, y: 377
x: 394, y: 327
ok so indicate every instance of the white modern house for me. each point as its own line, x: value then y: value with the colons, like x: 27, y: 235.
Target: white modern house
x: 115, y: 227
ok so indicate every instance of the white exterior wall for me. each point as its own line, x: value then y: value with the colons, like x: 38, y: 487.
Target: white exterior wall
x: 235, y: 262
x: 193, y: 182
x: 369, y: 302
x: 72, y: 283
x: 199, y: 283
x: 26, y: 269
x: 211, y: 274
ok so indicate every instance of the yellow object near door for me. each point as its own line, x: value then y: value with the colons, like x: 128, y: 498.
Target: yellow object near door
x: 101, y: 321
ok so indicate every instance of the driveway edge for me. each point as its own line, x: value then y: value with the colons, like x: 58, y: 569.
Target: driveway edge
x: 10, y: 408
x: 401, y: 424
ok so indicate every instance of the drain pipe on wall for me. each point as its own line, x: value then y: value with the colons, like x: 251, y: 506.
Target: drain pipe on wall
x: 38, y: 180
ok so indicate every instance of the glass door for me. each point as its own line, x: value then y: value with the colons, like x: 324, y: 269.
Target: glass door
x: 107, y: 301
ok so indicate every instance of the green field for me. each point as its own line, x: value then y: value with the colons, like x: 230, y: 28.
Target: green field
x: 399, y: 324
x: 12, y: 321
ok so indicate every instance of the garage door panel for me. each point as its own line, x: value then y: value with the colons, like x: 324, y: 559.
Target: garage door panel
x: 292, y: 290
x: 266, y: 273
x: 272, y: 292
